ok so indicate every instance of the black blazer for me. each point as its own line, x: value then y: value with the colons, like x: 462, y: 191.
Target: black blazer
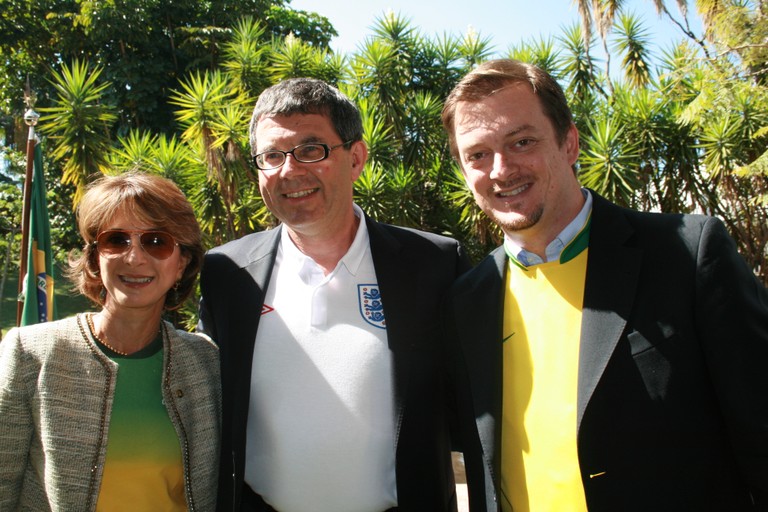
x: 673, y: 368
x: 414, y: 269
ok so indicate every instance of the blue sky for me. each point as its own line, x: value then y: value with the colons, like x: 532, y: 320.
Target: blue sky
x: 505, y: 22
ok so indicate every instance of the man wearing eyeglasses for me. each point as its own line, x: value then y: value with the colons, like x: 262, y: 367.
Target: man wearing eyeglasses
x: 329, y: 330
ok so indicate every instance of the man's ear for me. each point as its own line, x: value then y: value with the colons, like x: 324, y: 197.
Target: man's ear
x: 572, y: 144
x: 359, y: 156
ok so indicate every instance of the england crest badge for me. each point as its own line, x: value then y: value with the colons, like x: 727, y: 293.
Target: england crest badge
x: 371, y: 308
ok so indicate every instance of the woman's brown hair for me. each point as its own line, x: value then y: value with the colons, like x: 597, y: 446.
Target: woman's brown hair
x: 150, y: 199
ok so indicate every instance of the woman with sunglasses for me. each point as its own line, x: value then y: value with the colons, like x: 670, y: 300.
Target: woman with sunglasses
x: 116, y: 409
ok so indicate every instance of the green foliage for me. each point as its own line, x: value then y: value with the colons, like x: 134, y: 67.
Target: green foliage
x: 145, y: 47
x: 633, y: 45
x: 372, y: 192
x: 577, y: 65
x: 170, y: 91
x: 609, y: 162
x: 214, y: 114
x: 540, y: 52
x: 697, y: 129
x: 245, y: 56
x: 78, y: 124
x: 307, y: 26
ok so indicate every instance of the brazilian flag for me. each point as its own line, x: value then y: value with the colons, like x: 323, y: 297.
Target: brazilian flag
x: 39, y: 305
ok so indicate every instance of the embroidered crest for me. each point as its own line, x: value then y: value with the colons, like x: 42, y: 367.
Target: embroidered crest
x: 371, y: 307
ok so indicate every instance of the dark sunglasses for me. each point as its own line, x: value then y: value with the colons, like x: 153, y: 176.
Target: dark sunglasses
x: 114, y: 242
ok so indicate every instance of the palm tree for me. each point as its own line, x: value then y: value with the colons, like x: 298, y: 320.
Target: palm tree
x: 246, y: 56
x: 214, y: 114
x: 609, y: 161
x: 632, y: 42
x: 578, y: 67
x: 291, y: 58
x: 78, y: 124
x: 540, y: 52
x: 474, y: 49
x: 135, y: 151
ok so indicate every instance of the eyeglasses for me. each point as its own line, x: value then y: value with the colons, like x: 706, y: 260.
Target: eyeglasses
x: 114, y: 242
x: 304, y: 153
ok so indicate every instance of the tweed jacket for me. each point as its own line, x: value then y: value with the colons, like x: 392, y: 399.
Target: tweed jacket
x: 672, y: 405
x: 413, y: 270
x: 56, y: 392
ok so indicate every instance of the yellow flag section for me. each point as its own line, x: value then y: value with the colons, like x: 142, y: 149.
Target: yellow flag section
x: 39, y: 303
x: 542, y: 323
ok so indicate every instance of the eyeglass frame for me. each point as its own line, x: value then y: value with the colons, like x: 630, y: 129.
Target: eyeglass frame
x: 140, y: 233
x: 291, y: 152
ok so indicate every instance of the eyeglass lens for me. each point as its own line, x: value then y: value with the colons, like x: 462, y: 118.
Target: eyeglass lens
x: 306, y: 153
x: 157, y: 244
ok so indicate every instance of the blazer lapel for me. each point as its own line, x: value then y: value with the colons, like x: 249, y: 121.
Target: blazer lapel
x: 255, y: 265
x: 612, y: 278
x: 479, y: 313
x: 390, y: 272
x: 247, y: 293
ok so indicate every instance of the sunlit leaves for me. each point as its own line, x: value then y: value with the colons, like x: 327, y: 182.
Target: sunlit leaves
x: 371, y: 192
x: 214, y: 116
x: 577, y: 64
x: 78, y: 124
x: 609, y: 162
x: 633, y: 44
x: 475, y: 49
x: 720, y: 145
x: 540, y: 52
x: 245, y: 56
x: 671, y: 133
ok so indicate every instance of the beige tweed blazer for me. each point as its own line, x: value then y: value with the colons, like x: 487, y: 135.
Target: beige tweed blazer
x: 56, y: 391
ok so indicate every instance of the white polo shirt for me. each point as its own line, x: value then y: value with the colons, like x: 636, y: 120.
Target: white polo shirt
x: 321, y: 425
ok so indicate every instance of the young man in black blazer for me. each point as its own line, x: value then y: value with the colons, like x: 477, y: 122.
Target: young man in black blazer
x: 603, y: 358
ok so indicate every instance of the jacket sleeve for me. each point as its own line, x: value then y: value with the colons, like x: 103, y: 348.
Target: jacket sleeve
x: 15, y: 421
x: 732, y: 308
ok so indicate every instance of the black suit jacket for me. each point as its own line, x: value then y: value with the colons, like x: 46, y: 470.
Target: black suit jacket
x: 673, y: 368
x: 414, y: 269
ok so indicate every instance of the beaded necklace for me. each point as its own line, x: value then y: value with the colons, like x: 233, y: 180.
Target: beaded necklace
x: 89, y: 319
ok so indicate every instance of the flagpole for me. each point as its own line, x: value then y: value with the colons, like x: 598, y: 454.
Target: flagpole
x: 30, y: 118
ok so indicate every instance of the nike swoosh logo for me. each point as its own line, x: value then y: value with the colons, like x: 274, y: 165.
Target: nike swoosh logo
x: 505, y: 339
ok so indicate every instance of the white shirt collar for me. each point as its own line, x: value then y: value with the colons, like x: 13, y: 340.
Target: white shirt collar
x: 556, y: 246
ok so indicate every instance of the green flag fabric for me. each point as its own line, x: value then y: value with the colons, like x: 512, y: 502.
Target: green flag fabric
x: 39, y: 304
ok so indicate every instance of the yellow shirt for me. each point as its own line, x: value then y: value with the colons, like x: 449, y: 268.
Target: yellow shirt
x: 542, y: 324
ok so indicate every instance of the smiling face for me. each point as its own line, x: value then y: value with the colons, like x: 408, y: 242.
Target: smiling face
x: 135, y: 280
x: 312, y: 199
x: 519, y: 173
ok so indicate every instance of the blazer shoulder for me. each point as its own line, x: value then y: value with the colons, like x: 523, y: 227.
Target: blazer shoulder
x: 486, y: 275
x: 656, y: 231
x: 44, y: 334
x: 413, y: 235
x: 604, y: 210
x: 196, y: 340
x: 243, y: 251
x: 430, y: 249
x: 246, y: 243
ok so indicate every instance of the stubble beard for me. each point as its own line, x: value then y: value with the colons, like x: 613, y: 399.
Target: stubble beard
x: 509, y: 224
